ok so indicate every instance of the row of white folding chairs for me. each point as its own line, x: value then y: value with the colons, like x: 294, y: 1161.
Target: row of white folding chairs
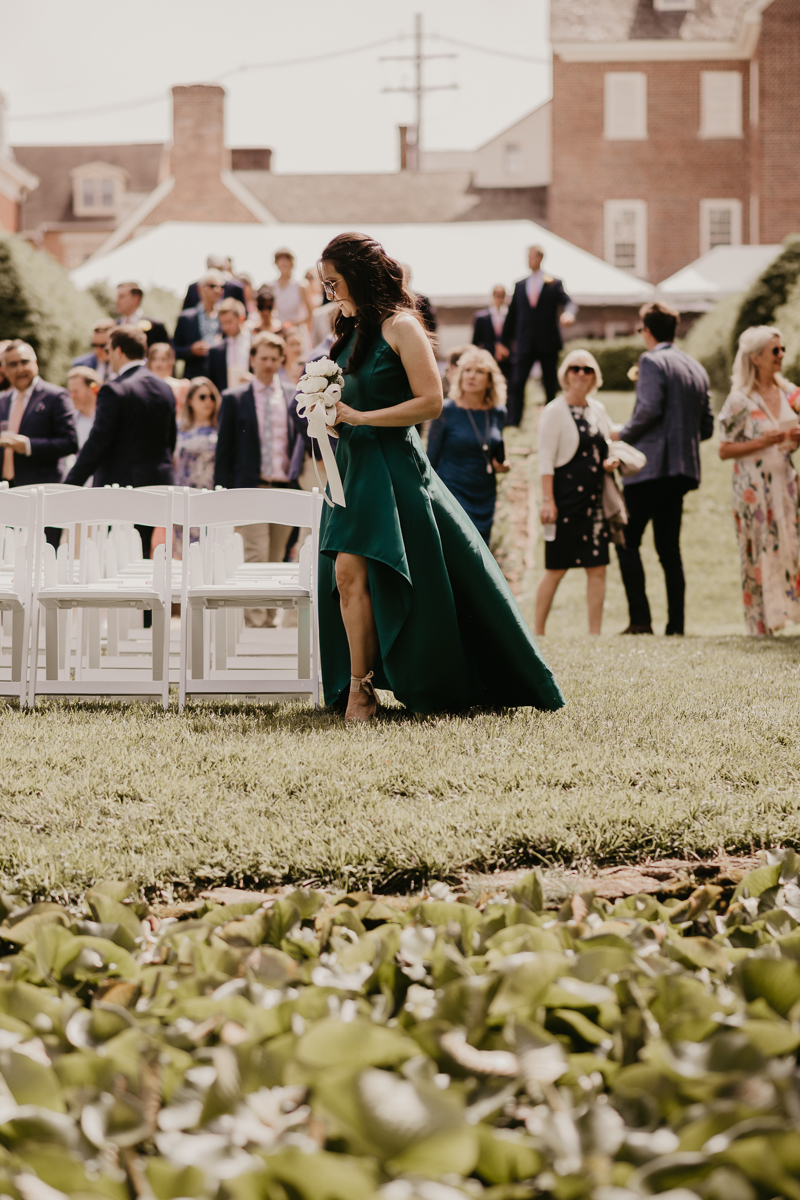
x: 99, y: 578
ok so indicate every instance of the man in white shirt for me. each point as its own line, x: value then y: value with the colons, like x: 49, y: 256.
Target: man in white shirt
x: 259, y: 445
x: 488, y: 327
x: 229, y: 362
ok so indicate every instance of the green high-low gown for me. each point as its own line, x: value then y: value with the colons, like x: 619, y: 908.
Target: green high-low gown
x: 451, y: 635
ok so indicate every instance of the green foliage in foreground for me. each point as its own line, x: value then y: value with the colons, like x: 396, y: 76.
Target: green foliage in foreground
x: 710, y: 341
x: 311, y: 1049
x: 615, y: 357
x: 770, y: 290
x: 39, y: 304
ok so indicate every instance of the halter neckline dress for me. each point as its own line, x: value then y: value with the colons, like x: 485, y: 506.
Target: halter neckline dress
x: 450, y: 633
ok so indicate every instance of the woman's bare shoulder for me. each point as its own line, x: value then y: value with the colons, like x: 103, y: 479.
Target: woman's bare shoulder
x: 403, y: 328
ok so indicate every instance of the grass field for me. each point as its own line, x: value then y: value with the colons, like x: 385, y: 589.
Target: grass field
x: 666, y: 746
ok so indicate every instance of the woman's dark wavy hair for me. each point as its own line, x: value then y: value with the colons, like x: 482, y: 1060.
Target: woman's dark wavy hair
x: 375, y: 283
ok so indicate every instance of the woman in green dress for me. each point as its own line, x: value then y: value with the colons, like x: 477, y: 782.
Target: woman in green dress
x: 410, y: 599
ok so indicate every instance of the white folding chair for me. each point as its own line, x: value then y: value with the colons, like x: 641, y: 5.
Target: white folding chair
x: 17, y: 532
x: 92, y: 584
x: 214, y: 582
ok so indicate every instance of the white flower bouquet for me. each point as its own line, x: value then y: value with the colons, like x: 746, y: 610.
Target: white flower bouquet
x: 319, y: 391
x: 321, y: 385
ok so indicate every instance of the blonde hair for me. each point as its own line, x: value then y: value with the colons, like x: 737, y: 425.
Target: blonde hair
x: 753, y: 341
x: 581, y: 358
x: 188, y: 419
x: 496, y: 385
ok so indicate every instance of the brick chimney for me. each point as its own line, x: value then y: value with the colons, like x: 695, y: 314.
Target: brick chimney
x: 203, y: 187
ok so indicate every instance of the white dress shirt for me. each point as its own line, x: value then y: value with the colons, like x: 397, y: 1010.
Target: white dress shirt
x: 237, y: 357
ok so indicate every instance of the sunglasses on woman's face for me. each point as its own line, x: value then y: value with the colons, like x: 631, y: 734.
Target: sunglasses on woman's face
x: 778, y: 350
x: 202, y: 396
x: 580, y: 370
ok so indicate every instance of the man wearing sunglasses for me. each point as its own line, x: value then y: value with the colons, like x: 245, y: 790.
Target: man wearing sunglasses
x: 97, y: 360
x: 671, y: 417
x: 198, y: 328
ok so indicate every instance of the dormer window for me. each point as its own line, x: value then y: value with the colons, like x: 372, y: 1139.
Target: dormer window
x: 97, y: 189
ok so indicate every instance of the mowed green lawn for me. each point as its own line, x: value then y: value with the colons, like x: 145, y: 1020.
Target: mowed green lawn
x: 666, y: 746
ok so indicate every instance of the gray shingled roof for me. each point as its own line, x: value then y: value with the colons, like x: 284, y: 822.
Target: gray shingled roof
x: 350, y: 199
x: 51, y: 202
x: 628, y: 20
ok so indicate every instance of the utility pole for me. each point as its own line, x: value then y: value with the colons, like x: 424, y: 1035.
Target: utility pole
x: 418, y: 58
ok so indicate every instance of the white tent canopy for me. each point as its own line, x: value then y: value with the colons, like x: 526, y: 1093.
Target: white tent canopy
x: 721, y: 272
x: 454, y: 263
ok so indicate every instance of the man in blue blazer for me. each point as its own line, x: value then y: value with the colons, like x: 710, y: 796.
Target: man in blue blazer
x: 39, y: 420
x: 198, y: 328
x: 133, y: 437
x: 260, y: 444
x: 98, y: 359
x: 488, y: 326
x: 672, y: 416
x: 538, y: 310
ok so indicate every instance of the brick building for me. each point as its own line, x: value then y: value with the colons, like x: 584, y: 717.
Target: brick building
x: 676, y: 127
x: 94, y: 198
x: 15, y: 181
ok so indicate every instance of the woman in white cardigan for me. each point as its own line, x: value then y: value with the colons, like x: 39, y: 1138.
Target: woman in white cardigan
x: 573, y: 456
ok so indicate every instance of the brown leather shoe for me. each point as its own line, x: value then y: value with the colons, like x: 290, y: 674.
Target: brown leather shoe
x: 638, y: 629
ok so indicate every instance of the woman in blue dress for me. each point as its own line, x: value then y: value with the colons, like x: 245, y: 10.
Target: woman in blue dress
x: 197, y: 444
x: 465, y: 444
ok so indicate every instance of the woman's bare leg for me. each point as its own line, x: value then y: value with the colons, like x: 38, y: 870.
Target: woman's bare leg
x: 352, y: 581
x: 544, y: 598
x: 595, y: 595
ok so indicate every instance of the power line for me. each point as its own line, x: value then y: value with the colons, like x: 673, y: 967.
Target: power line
x: 419, y: 89
x: 125, y: 105
x: 441, y: 37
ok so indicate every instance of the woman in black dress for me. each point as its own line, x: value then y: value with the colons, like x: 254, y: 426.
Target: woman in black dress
x: 573, y: 458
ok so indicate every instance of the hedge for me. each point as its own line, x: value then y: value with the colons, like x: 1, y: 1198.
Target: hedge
x: 787, y: 319
x: 311, y: 1047
x: 615, y: 357
x: 770, y: 291
x: 710, y: 341
x: 39, y: 304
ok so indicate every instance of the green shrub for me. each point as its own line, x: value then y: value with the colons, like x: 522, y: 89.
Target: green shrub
x: 164, y: 305
x: 39, y: 303
x: 770, y: 291
x: 787, y: 319
x: 615, y: 357
x: 710, y: 341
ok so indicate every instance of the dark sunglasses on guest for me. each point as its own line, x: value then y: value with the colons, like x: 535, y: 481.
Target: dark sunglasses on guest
x: 99, y: 345
x: 580, y: 370
x: 776, y: 350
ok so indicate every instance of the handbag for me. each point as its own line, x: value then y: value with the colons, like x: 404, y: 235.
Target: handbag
x: 614, y: 509
x: 631, y: 460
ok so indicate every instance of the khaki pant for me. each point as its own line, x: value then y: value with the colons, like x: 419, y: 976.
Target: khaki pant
x: 263, y: 543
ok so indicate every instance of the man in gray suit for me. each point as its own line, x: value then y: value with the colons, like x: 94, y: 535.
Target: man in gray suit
x: 672, y: 416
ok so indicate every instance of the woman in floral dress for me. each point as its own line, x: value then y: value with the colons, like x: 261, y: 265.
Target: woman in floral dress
x: 759, y: 431
x: 197, y: 443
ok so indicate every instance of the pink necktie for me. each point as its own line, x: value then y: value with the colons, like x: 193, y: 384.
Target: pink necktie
x: 14, y: 420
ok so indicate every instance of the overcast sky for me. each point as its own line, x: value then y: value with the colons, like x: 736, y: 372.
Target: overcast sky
x: 59, y: 56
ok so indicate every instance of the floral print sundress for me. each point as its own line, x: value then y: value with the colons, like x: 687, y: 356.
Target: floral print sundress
x: 765, y: 509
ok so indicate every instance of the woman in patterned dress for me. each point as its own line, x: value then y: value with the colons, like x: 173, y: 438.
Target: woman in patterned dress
x: 573, y: 456
x: 760, y: 431
x: 197, y: 443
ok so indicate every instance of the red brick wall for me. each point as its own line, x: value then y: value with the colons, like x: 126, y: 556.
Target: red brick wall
x: 673, y: 170
x: 198, y: 156
x: 779, y: 120
x: 9, y: 214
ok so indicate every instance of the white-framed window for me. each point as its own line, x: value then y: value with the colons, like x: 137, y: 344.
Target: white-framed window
x: 720, y: 224
x: 720, y: 104
x: 512, y: 154
x: 97, y: 189
x: 625, y: 106
x: 626, y: 235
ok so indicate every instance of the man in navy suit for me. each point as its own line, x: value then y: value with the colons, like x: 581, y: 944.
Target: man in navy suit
x: 98, y: 359
x: 538, y: 309
x: 488, y: 327
x: 231, y: 289
x: 198, y: 328
x: 229, y: 362
x: 129, y: 307
x: 133, y: 436
x: 260, y: 444
x: 672, y: 416
x: 39, y: 421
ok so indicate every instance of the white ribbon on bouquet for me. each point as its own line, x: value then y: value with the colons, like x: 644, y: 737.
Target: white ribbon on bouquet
x: 320, y: 391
